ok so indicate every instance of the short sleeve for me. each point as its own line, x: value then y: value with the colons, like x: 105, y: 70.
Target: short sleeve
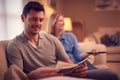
x: 13, y: 55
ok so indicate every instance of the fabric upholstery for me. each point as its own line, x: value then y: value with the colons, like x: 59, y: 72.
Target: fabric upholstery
x: 115, y: 38
x: 100, y: 32
x: 100, y: 60
x: 15, y: 73
x: 3, y: 61
x: 86, y: 47
x: 106, y: 40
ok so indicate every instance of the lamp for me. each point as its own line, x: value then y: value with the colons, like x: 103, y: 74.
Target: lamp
x: 68, y: 24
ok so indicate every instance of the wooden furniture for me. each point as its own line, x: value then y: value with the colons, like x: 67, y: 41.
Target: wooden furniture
x: 78, y: 29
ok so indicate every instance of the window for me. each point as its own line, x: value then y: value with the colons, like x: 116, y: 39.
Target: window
x: 10, y: 21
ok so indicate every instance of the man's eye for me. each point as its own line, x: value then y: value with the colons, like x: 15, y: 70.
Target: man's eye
x: 41, y: 20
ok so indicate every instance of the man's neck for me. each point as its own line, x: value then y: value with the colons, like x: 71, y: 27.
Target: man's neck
x: 34, y: 39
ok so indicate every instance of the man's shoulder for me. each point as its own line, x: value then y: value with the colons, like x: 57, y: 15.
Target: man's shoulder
x: 15, y: 41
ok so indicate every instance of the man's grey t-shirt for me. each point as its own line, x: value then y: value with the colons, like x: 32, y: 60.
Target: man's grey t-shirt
x: 23, y: 54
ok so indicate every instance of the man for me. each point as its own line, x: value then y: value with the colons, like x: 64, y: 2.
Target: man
x: 32, y: 51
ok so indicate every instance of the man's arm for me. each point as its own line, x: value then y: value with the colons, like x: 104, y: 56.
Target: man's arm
x: 79, y: 71
x: 43, y: 72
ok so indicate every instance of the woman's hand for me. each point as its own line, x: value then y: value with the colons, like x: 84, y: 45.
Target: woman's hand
x: 80, y: 71
x: 94, y: 52
x: 43, y: 72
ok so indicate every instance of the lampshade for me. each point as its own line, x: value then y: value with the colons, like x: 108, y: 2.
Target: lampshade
x: 68, y: 24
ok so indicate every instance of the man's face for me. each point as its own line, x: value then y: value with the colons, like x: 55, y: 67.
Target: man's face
x: 33, y: 22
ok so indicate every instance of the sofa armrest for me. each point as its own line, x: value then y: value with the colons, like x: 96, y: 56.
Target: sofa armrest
x: 86, y: 47
x: 99, y: 60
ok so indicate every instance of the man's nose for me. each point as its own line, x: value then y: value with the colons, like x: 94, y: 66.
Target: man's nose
x: 38, y: 22
x: 63, y: 23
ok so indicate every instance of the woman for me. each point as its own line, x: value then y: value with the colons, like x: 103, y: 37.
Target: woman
x: 69, y: 40
x: 70, y: 43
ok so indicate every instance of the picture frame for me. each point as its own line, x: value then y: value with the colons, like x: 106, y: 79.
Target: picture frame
x: 107, y: 5
x: 52, y: 3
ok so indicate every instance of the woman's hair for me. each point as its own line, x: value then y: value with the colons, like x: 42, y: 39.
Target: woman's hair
x: 51, y: 22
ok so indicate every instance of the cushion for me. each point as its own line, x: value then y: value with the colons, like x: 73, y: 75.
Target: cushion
x: 97, y: 37
x: 106, y: 41
x: 3, y: 61
x: 115, y: 38
x: 15, y: 73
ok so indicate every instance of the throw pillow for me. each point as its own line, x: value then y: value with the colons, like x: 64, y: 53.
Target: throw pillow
x: 106, y: 41
x: 15, y: 73
x: 115, y: 38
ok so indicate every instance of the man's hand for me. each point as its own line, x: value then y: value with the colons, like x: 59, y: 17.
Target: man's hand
x: 43, y: 72
x: 80, y: 71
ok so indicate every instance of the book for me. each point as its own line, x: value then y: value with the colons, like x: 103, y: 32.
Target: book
x: 67, y: 68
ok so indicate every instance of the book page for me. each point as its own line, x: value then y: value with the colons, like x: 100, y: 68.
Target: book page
x: 82, y: 61
x: 66, y: 68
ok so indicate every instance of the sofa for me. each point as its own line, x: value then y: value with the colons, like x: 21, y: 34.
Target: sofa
x: 3, y: 61
x: 113, y: 51
x: 102, y: 32
x: 99, y: 61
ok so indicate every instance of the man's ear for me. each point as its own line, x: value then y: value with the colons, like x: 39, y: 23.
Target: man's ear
x: 22, y: 18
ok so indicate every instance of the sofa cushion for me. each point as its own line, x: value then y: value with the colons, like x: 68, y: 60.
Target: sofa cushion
x: 97, y: 37
x: 3, y: 61
x: 15, y: 73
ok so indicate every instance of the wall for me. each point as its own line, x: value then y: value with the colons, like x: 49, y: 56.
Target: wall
x: 85, y: 10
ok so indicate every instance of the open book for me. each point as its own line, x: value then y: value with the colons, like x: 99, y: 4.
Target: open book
x: 67, y: 68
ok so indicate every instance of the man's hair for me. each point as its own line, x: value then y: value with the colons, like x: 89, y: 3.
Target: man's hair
x: 32, y: 5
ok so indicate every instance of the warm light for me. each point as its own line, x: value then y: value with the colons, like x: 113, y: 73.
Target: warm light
x: 68, y: 24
